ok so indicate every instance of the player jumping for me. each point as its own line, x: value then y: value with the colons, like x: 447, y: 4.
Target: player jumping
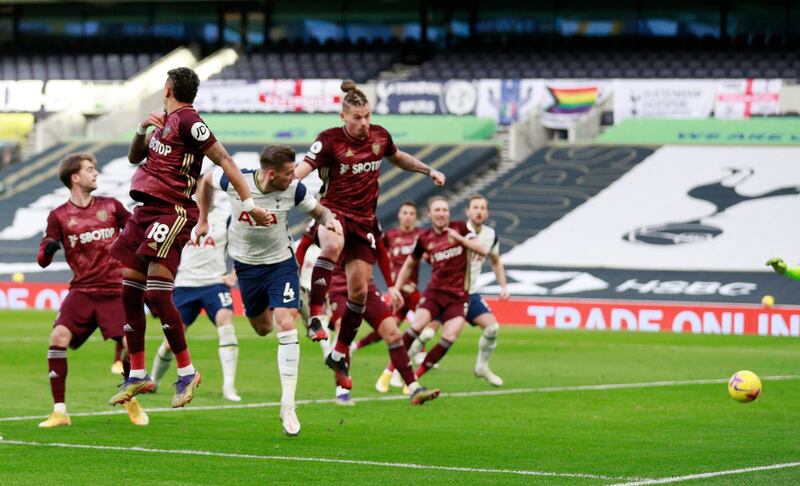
x: 264, y: 261
x: 349, y: 160
x: 203, y: 283
x: 85, y: 226
x: 151, y: 244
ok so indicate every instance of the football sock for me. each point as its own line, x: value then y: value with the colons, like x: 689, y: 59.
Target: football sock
x: 159, y: 294
x: 57, y: 366
x: 135, y: 322
x: 161, y: 362
x: 370, y: 338
x: 351, y: 320
x: 399, y: 357
x: 486, y: 345
x: 433, y: 357
x: 288, y: 361
x: 320, y: 279
x: 228, y: 353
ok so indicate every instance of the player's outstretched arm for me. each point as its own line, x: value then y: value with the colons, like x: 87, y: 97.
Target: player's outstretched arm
x: 408, y: 162
x: 326, y: 218
x: 219, y: 156
x: 411, y: 264
x: 472, y: 244
x: 205, y: 191
x: 51, y: 241
x: 138, y: 149
x: 500, y: 274
x: 302, y: 170
x: 780, y: 267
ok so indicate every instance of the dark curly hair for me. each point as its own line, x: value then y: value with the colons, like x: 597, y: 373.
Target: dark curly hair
x: 184, y: 84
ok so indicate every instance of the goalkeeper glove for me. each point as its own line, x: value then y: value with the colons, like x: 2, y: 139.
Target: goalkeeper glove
x: 777, y: 264
x: 51, y: 247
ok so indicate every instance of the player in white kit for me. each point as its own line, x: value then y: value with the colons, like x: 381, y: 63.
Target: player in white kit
x: 203, y: 283
x: 263, y: 257
x: 479, y: 313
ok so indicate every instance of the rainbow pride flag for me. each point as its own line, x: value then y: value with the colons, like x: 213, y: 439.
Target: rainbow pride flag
x: 572, y: 100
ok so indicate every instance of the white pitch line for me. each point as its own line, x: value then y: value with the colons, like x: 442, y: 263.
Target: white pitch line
x: 487, y: 393
x: 690, y: 477
x: 398, y: 465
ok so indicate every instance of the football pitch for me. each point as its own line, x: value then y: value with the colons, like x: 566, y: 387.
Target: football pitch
x: 576, y: 408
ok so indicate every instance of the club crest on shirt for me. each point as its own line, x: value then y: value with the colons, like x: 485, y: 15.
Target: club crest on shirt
x: 376, y: 147
x: 165, y: 132
x: 102, y: 215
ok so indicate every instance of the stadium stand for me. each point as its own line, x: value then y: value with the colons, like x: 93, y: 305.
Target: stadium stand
x: 552, y: 182
x: 615, y: 58
x: 78, y: 60
x: 334, y: 60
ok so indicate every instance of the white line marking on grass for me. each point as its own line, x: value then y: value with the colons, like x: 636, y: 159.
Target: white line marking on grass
x: 487, y: 393
x: 398, y: 465
x: 690, y: 477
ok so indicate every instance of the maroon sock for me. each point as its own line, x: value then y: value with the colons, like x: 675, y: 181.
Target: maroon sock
x: 351, y: 320
x: 320, y: 279
x: 135, y: 321
x: 370, y: 338
x: 399, y: 357
x: 159, y: 294
x: 409, y: 337
x: 57, y: 365
x: 436, y: 354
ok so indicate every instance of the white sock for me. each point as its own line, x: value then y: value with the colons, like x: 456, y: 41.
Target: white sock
x: 486, y: 345
x: 139, y: 374
x: 228, y: 354
x: 60, y: 407
x: 288, y: 361
x: 336, y: 355
x: 341, y: 391
x: 413, y: 387
x: 161, y: 362
x: 186, y: 370
x: 418, y: 343
x: 325, y: 345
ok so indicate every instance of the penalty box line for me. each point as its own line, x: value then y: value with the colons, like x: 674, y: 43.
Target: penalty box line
x: 397, y: 465
x: 487, y: 393
x: 713, y: 474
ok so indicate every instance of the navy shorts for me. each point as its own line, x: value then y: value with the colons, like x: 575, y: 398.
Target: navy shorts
x: 477, y: 306
x: 268, y: 286
x: 191, y: 300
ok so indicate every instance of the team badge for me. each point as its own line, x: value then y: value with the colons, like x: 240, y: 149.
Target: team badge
x: 72, y: 221
x: 102, y: 215
x: 349, y: 153
x: 376, y: 147
x: 165, y: 132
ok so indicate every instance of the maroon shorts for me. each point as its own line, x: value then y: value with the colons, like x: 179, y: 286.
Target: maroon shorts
x: 377, y: 310
x: 157, y: 232
x: 360, y: 240
x: 444, y: 306
x: 83, y: 312
x: 410, y: 302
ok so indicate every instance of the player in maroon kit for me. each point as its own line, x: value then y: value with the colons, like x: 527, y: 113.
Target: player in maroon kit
x: 151, y: 244
x: 400, y: 243
x: 349, y: 160
x: 378, y: 314
x: 85, y: 226
x: 448, y: 244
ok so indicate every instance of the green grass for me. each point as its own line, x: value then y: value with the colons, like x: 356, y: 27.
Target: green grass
x: 650, y: 432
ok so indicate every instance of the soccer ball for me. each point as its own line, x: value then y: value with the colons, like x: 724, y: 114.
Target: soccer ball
x: 744, y: 386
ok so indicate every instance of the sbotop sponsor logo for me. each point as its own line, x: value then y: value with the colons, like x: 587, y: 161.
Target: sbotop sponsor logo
x: 159, y: 148
x: 90, y: 236
x: 447, y: 254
